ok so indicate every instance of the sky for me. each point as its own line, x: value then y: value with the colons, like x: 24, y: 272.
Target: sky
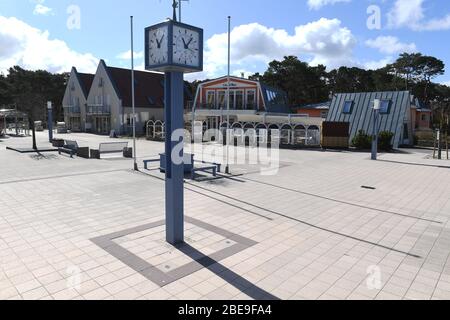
x: 55, y: 35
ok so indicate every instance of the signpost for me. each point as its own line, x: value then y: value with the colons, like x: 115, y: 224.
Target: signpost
x: 50, y: 121
x: 174, y: 48
x: 376, y: 113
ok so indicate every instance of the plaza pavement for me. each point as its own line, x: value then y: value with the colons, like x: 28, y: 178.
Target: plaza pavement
x: 91, y: 229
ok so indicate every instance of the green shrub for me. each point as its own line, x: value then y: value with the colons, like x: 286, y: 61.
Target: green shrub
x: 384, y: 140
x: 362, y: 140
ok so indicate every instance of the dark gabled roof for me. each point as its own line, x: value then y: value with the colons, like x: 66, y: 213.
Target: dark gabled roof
x: 149, y: 87
x: 86, y: 80
x: 361, y: 116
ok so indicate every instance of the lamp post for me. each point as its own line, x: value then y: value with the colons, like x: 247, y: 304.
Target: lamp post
x: 228, y: 135
x: 133, y: 103
x: 376, y: 112
x: 50, y: 121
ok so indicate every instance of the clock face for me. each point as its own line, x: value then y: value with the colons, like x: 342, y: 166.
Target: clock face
x: 186, y: 46
x: 158, y: 46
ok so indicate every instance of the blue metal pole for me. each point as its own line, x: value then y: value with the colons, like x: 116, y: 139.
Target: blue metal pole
x: 375, y: 135
x: 174, y: 97
x: 50, y: 121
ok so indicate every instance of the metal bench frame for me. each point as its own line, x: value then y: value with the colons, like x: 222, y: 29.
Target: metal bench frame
x: 213, y: 167
x: 204, y: 169
x: 72, y: 148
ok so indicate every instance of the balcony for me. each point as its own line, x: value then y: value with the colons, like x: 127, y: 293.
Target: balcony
x: 206, y: 106
x: 72, y: 110
x: 98, y: 109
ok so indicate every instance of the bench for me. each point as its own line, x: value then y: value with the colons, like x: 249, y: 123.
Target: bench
x: 188, y: 165
x: 217, y: 165
x: 187, y: 158
x: 71, y: 147
x: 108, y: 148
x: 213, y: 170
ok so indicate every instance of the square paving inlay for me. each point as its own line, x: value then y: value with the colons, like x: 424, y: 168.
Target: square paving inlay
x: 145, y: 250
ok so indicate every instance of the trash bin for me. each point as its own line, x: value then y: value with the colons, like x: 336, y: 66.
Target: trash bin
x: 128, y: 152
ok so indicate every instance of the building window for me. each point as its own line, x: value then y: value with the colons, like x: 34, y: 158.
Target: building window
x: 221, y: 99
x: 348, y: 107
x: 424, y: 117
x: 239, y: 100
x: 251, y: 100
x: 324, y: 114
x: 385, y: 106
x: 211, y: 99
x: 232, y: 100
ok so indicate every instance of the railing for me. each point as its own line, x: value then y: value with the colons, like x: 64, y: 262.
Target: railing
x: 209, y: 106
x: 72, y: 110
x: 98, y: 110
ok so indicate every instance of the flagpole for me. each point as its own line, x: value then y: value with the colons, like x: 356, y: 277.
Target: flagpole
x: 133, y: 97
x: 227, y: 169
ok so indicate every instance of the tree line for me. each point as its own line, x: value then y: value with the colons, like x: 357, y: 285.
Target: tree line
x: 29, y: 91
x: 307, y: 84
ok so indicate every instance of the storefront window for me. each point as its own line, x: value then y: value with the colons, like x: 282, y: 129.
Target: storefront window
x: 221, y: 100
x: 210, y: 99
x: 251, y: 100
x: 239, y: 100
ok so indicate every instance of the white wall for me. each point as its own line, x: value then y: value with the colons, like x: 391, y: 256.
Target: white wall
x: 76, y: 95
x: 107, y: 95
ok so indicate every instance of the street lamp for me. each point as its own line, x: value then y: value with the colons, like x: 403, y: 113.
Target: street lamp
x: 376, y: 112
x: 50, y: 121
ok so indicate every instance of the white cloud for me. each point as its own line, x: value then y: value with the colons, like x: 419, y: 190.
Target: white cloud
x: 447, y: 83
x: 323, y: 41
x: 390, y: 45
x: 127, y: 55
x: 318, y: 4
x: 31, y: 48
x: 436, y: 24
x: 411, y: 14
x: 40, y: 9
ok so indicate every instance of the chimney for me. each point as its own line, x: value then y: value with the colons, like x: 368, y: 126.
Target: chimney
x: 242, y: 75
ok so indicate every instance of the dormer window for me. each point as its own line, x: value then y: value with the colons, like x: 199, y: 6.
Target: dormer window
x: 385, y: 106
x: 348, y: 107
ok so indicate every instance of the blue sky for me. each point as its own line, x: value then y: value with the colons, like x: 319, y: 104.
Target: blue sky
x: 35, y: 34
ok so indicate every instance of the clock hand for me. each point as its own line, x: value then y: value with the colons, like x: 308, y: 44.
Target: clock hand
x: 189, y: 42
x: 184, y: 43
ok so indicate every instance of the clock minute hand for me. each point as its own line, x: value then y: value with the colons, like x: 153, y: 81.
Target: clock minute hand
x: 189, y: 42
x: 184, y: 43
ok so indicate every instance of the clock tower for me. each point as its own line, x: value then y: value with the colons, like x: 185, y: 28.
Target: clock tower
x: 174, y: 48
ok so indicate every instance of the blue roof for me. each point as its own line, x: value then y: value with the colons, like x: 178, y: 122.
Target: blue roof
x: 276, y: 100
x: 361, y: 115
